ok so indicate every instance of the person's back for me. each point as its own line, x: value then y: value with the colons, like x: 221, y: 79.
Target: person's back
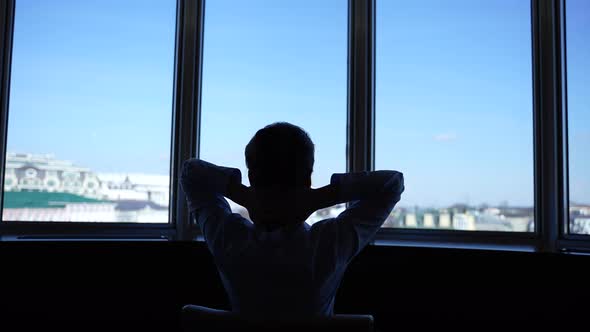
x: 279, y: 265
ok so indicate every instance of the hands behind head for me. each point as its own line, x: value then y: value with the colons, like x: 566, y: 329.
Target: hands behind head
x: 273, y: 207
x: 281, y: 208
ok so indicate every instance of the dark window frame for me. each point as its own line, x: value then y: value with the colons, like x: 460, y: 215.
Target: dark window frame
x: 568, y: 241
x: 185, y: 98
x: 434, y: 237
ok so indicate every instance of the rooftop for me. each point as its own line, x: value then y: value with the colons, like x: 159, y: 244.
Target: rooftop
x: 38, y: 199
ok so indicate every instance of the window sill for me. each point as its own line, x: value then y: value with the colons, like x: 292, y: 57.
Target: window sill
x: 455, y: 245
x: 78, y: 238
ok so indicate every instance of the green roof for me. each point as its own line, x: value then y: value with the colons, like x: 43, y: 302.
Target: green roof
x: 41, y: 199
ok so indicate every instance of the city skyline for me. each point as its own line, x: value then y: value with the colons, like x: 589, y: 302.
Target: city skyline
x: 160, y: 180
x: 43, y: 188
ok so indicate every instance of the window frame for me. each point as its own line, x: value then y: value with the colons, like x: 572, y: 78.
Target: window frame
x: 186, y: 98
x: 434, y: 237
x: 549, y: 84
x: 6, y: 28
x: 568, y: 241
x: 549, y: 120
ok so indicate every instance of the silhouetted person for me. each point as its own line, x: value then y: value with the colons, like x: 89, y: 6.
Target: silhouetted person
x: 278, y: 265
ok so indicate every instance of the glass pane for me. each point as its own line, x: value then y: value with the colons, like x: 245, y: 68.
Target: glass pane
x: 90, y: 111
x: 578, y: 83
x: 454, y: 112
x: 270, y: 61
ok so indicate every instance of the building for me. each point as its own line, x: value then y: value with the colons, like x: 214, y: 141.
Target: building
x: 464, y: 221
x: 429, y: 220
x: 520, y: 218
x: 28, y: 172
x: 579, y: 218
x: 43, y: 188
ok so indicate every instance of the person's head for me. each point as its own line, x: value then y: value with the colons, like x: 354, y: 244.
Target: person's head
x: 280, y: 157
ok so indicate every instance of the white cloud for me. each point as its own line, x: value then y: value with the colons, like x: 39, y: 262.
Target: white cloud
x: 445, y: 137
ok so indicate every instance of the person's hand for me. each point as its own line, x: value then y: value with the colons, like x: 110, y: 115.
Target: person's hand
x: 276, y: 207
x: 239, y: 193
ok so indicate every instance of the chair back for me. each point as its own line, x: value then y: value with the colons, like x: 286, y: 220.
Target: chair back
x: 202, y: 319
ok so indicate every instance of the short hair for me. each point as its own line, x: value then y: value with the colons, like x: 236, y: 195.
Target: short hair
x: 280, y: 155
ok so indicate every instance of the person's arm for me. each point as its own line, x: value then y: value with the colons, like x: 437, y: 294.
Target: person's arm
x: 205, y: 186
x: 373, y: 195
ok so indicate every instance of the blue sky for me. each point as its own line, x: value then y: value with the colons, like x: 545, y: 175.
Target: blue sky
x: 92, y: 83
x: 454, y: 99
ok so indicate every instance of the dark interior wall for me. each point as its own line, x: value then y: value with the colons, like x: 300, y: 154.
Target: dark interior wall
x: 141, y: 286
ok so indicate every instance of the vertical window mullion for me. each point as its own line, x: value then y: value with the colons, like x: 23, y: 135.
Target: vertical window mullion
x: 549, y: 184
x: 361, y: 85
x: 6, y: 33
x: 186, y: 104
x: 564, y: 222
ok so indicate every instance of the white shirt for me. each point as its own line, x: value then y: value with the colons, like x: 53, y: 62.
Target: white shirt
x: 294, y: 270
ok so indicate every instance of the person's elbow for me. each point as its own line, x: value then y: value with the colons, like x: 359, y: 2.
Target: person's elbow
x: 395, y: 183
x: 185, y: 173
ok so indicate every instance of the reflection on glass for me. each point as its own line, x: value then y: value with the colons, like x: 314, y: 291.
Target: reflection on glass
x: 454, y: 112
x: 578, y: 83
x: 266, y: 62
x: 90, y: 111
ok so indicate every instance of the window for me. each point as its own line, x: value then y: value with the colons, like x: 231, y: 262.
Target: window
x: 454, y: 112
x: 578, y: 102
x: 99, y: 114
x: 89, y: 127
x: 266, y: 62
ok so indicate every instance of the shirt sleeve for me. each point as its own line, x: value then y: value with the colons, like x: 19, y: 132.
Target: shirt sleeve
x: 373, y: 195
x: 205, y: 186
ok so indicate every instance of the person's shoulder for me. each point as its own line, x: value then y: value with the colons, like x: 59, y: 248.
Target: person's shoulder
x: 321, y: 226
x: 188, y: 167
x: 239, y: 219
